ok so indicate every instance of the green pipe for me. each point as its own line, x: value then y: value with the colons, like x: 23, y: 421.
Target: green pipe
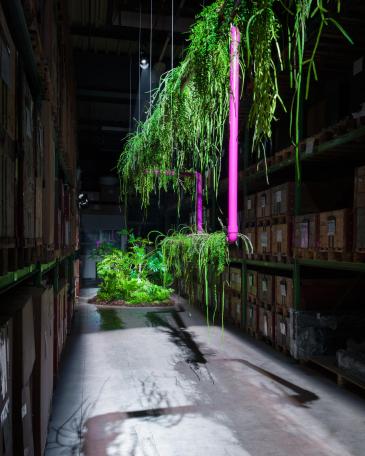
x: 14, y: 13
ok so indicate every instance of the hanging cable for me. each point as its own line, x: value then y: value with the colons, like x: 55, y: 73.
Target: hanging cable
x: 172, y: 34
x: 150, y: 107
x: 130, y: 93
x: 139, y: 59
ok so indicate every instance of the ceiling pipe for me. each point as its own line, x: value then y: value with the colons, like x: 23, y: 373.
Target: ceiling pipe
x: 233, y: 136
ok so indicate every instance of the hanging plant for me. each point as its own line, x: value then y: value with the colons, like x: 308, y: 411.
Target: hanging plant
x: 189, y: 255
x: 186, y: 121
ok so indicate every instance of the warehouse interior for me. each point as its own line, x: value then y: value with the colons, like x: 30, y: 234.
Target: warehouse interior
x: 182, y: 227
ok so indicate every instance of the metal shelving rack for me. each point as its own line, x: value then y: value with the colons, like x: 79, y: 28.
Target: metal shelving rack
x: 35, y: 271
x: 324, y: 151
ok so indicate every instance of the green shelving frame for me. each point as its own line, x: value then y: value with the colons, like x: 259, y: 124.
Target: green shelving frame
x: 36, y: 271
x: 321, y: 152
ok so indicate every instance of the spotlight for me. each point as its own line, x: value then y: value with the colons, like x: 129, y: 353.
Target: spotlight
x: 144, y: 63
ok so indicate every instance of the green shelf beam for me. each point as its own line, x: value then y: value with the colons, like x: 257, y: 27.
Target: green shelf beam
x: 338, y: 265
x: 340, y: 141
x: 324, y: 264
x: 270, y: 264
x: 13, y: 278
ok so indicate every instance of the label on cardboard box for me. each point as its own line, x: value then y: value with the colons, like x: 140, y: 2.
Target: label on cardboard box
x: 279, y: 236
x: 304, y: 235
x: 264, y: 239
x: 24, y: 410
x: 309, y: 146
x: 278, y: 196
x: 264, y: 285
x: 263, y: 200
x: 283, y: 328
x: 249, y: 204
x: 250, y: 280
x: 283, y: 289
x: 331, y: 226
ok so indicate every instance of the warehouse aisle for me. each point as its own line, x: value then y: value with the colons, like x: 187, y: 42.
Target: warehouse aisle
x: 148, y: 382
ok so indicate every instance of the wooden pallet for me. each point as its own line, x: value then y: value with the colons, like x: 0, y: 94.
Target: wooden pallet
x: 342, y: 377
x: 308, y: 254
x: 284, y: 155
x: 281, y: 258
x: 282, y: 310
x: 263, y: 221
x: 359, y: 256
x: 333, y: 255
x: 262, y: 256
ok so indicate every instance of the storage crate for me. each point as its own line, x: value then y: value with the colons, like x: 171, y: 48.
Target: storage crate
x: 6, y: 402
x: 235, y: 280
x: 251, y: 286
x: 282, y: 200
x: 306, y: 236
x: 250, y: 231
x: 236, y: 310
x: 42, y: 380
x: 60, y: 324
x: 281, y: 240
x: 267, y: 324
x: 359, y: 209
x: 263, y: 240
x: 282, y: 332
x: 8, y: 88
x: 18, y: 305
x: 359, y: 188
x: 335, y: 237
x: 284, y: 294
x: 360, y: 232
x: 252, y: 318
x: 7, y: 205
x: 49, y: 177
x: 28, y: 166
x: 250, y: 209
x: 263, y: 204
x: 27, y: 420
x: 266, y: 289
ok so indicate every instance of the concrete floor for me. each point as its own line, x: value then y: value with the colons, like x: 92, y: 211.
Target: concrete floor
x: 142, y: 382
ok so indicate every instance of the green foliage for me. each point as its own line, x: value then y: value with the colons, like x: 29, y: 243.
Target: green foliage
x: 135, y: 275
x: 201, y: 256
x: 186, y: 123
x: 132, y: 291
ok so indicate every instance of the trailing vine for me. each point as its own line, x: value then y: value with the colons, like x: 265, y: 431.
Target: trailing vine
x: 186, y: 121
x: 203, y: 255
